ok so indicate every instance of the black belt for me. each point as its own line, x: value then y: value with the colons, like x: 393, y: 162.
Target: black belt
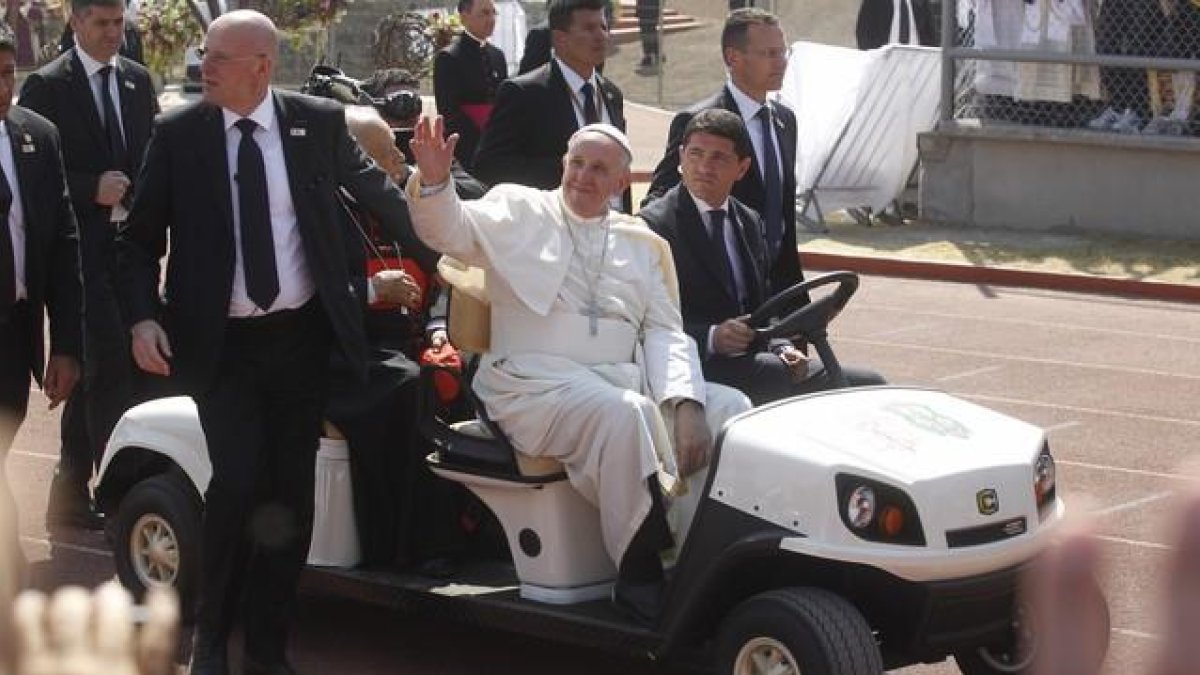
x: 283, y: 318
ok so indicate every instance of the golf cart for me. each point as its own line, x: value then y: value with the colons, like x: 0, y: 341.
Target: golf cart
x: 841, y: 532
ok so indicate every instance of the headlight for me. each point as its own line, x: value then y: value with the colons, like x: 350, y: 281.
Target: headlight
x: 1044, y: 477
x: 860, y: 509
x: 876, y: 511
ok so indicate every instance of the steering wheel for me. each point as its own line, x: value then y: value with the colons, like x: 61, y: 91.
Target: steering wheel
x: 800, y: 316
x: 807, y: 319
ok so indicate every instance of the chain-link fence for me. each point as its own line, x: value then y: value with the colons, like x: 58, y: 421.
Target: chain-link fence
x: 1113, y: 66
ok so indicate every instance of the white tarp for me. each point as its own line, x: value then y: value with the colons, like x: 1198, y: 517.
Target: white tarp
x: 510, y: 31
x: 859, y: 114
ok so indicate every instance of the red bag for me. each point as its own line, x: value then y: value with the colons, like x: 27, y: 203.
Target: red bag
x: 445, y: 381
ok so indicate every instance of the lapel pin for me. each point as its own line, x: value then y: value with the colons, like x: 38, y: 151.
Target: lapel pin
x: 299, y: 131
x: 128, y: 84
x: 28, y: 148
x: 28, y: 138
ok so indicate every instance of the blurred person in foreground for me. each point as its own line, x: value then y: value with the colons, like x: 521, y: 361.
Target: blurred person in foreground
x: 77, y: 632
x: 244, y: 186
x: 39, y: 278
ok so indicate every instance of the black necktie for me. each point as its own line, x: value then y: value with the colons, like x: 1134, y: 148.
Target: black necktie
x: 590, y: 114
x: 773, y: 204
x: 8, y: 267
x: 254, y: 209
x: 112, y: 125
x: 716, y: 233
x: 904, y: 28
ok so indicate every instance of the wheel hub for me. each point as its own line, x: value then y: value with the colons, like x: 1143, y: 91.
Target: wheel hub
x: 154, y: 551
x: 765, y: 656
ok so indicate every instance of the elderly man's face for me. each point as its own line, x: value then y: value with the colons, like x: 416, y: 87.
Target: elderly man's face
x: 378, y: 142
x: 595, y: 169
x: 236, y: 67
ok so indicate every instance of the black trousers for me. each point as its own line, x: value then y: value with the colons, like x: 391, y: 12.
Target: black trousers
x: 16, y: 355
x: 106, y: 389
x: 764, y: 377
x: 262, y: 420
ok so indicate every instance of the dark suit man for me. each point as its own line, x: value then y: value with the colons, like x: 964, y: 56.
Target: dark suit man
x: 76, y: 91
x: 756, y: 55
x: 537, y: 113
x: 257, y: 292
x: 465, y: 76
x: 720, y: 258
x: 878, y: 25
x: 537, y: 49
x: 39, y: 272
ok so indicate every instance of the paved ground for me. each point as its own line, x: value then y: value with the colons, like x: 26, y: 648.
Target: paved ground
x: 1113, y: 381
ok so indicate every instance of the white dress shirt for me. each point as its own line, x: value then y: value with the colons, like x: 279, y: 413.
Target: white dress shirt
x: 16, y: 214
x: 748, y: 108
x: 92, y: 68
x: 733, y: 252
x: 296, y: 286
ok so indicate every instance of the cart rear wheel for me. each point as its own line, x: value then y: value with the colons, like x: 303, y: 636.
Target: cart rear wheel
x: 794, y: 631
x: 156, y: 537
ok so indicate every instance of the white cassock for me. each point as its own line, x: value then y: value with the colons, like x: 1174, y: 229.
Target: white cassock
x: 593, y: 402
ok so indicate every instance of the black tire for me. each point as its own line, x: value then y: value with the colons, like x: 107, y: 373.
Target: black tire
x: 804, y: 630
x: 1015, y: 655
x: 156, y: 537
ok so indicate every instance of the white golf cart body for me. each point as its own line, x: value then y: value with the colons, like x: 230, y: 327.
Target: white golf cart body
x: 772, y: 514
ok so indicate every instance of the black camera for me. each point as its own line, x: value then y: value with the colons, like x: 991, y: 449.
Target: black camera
x: 330, y: 82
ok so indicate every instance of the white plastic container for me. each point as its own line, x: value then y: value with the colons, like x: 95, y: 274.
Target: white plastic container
x: 335, y: 532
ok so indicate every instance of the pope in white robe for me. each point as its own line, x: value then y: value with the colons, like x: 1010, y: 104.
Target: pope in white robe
x: 588, y: 361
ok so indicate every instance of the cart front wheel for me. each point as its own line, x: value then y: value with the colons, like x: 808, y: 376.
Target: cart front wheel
x: 794, y: 631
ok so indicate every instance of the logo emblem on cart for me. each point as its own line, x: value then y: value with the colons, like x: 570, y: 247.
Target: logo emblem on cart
x: 987, y: 501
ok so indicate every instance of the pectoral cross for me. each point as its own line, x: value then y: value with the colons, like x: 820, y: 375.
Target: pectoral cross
x: 592, y: 312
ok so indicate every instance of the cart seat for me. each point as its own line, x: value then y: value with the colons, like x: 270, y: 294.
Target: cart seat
x: 527, y: 465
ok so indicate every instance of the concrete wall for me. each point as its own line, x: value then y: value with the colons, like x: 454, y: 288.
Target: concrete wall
x: 1061, y: 180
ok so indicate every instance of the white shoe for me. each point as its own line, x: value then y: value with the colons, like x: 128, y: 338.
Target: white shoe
x: 1128, y: 123
x: 1104, y: 121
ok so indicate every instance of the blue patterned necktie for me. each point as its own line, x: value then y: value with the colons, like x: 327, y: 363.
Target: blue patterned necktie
x: 773, y: 204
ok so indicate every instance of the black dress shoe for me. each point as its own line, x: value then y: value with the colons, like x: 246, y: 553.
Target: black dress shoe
x: 80, y: 515
x: 210, y: 656
x: 210, y: 664
x: 640, y: 602
x: 252, y: 667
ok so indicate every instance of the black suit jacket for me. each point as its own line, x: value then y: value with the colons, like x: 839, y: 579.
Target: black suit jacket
x: 466, y: 72
x: 60, y: 91
x: 184, y: 188
x: 537, y: 49
x: 533, y: 119
x: 785, y: 263
x: 705, y: 299
x: 874, y: 26
x: 52, y: 278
